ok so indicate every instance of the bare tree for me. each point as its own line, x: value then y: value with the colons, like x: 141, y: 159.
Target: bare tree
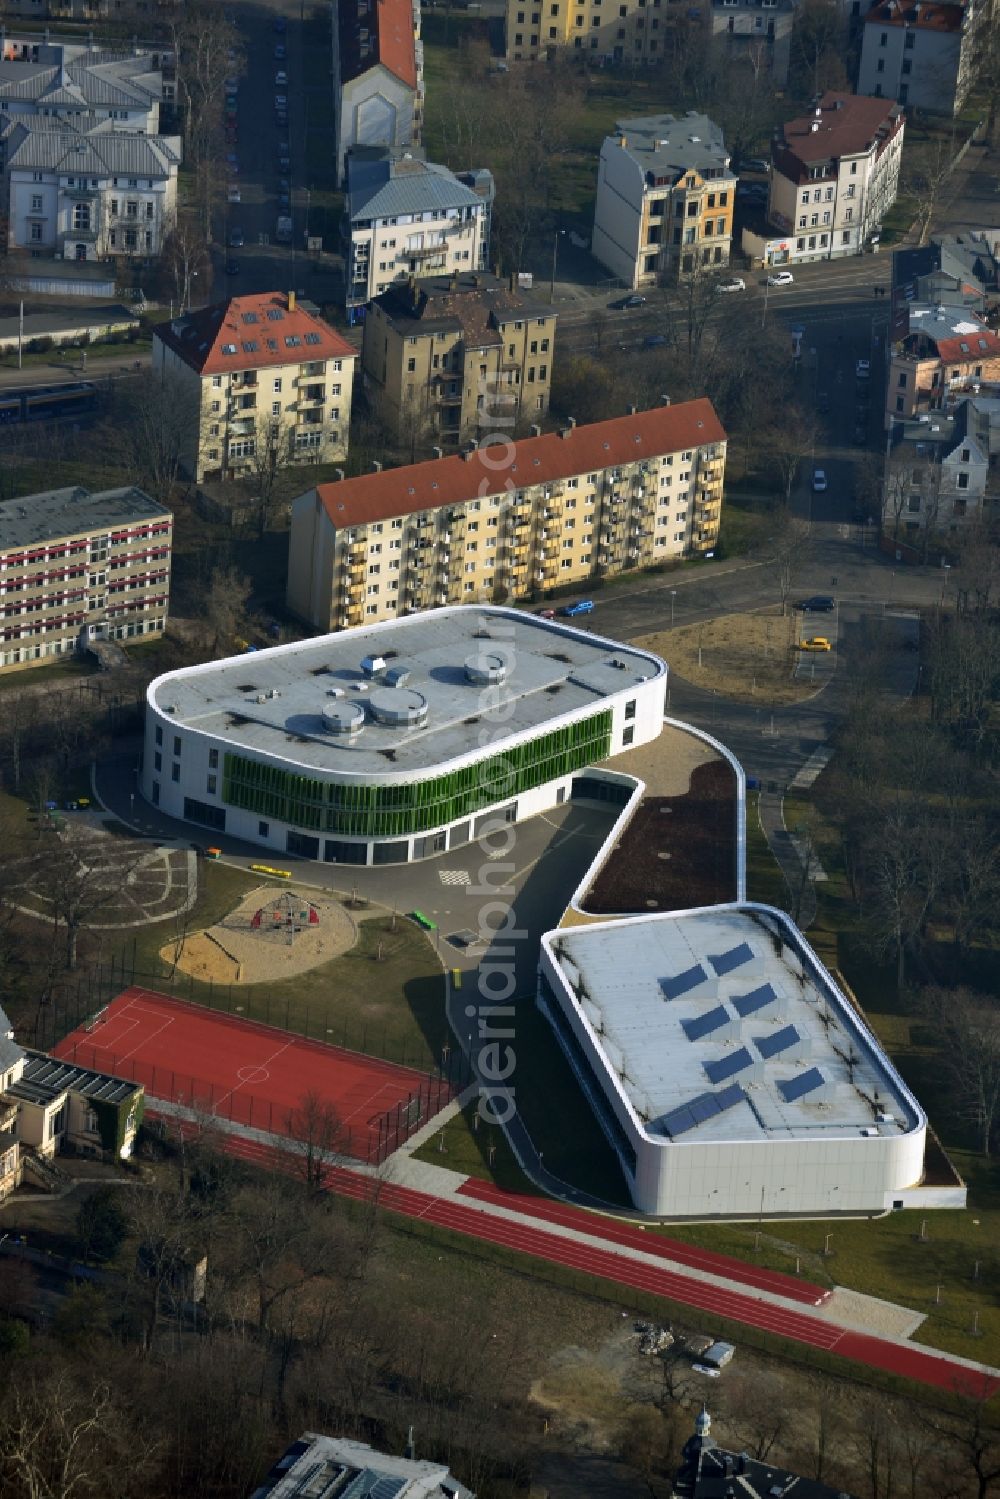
x: 968, y: 1027
x: 185, y: 259
x: 152, y: 432
x: 317, y: 1130
x: 61, y: 1437
x: 224, y: 607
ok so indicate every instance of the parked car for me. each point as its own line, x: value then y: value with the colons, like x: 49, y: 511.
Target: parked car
x: 780, y: 278
x: 284, y: 199
x: 632, y: 300
x: 654, y: 341
x: 861, y: 434
x: 706, y: 1369
x: 754, y: 164
x: 732, y: 283
x: 236, y: 240
x: 818, y: 603
x: 279, y: 25
x: 582, y: 606
x: 231, y: 85
x: 279, y: 52
x: 815, y: 643
x: 233, y: 194
x: 819, y: 481
x: 281, y: 79
x: 232, y: 162
x: 863, y: 369
x: 822, y: 402
x: 281, y: 118
x: 546, y: 613
x: 232, y: 267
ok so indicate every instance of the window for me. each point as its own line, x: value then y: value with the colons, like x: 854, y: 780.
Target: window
x: 157, y: 761
x: 963, y: 481
x: 630, y: 709
x: 210, y: 785
x: 213, y: 759
x: 883, y: 39
x: 159, y: 734
x: 263, y: 830
x: 36, y: 202
x: 628, y: 735
x: 35, y: 232
x: 910, y: 40
x: 81, y: 215
x: 175, y: 772
x: 177, y: 744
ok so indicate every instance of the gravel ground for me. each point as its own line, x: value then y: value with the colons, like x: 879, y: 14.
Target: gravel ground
x: 234, y: 952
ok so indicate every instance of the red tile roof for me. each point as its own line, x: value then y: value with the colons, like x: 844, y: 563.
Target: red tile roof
x: 390, y: 39
x: 257, y: 330
x: 983, y: 344
x: 926, y: 17
x: 535, y: 460
x: 848, y: 124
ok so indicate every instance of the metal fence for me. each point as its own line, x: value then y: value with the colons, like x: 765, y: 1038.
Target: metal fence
x: 372, y: 1141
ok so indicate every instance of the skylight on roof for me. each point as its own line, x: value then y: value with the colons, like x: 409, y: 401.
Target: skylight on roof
x: 250, y: 346
x: 292, y: 340
x: 249, y: 317
x: 312, y: 338
x: 229, y: 348
x: 275, y: 314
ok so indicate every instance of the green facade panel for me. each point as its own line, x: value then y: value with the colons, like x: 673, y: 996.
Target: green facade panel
x: 381, y: 811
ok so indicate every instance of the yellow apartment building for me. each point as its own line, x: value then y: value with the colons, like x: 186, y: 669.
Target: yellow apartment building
x: 509, y: 522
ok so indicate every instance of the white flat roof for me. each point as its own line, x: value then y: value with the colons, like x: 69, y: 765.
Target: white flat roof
x: 295, y: 702
x: 721, y: 1024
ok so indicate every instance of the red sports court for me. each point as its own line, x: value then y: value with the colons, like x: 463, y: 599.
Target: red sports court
x: 253, y: 1074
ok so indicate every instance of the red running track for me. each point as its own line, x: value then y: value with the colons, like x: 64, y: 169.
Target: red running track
x: 239, y: 1069
x: 904, y: 1360
x: 598, y: 1226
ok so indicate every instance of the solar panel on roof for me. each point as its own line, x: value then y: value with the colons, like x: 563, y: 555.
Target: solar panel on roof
x: 704, y: 1025
x: 797, y: 1087
x: 727, y: 1066
x: 705, y: 1106
x: 725, y: 962
x: 387, y: 1487
x: 749, y: 1004
x: 769, y: 1046
x: 680, y: 983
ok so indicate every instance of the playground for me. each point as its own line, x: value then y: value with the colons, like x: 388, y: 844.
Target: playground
x: 271, y: 935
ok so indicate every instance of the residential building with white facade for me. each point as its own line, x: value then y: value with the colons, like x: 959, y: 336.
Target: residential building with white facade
x: 86, y: 195
x: 942, y: 470
x: 923, y: 53
x: 583, y: 503
x: 77, y: 567
x: 74, y: 81
x: 399, y: 740
x: 378, y: 76
x: 665, y: 198
x: 730, y: 1074
x: 835, y: 176
x: 254, y: 374
x: 408, y: 217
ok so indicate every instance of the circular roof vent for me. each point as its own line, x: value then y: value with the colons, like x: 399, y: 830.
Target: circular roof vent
x: 398, y: 707
x: 343, y: 718
x: 486, y: 670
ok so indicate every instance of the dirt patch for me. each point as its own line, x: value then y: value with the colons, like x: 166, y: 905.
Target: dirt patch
x: 271, y: 935
x: 677, y: 852
x: 749, y: 658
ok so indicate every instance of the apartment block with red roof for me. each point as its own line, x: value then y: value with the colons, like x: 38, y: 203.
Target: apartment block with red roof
x: 378, y: 75
x: 945, y: 352
x: 923, y: 53
x: 256, y: 377
x: 511, y: 521
x: 835, y: 176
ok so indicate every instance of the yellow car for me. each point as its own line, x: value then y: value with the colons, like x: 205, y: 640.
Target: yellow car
x: 816, y: 643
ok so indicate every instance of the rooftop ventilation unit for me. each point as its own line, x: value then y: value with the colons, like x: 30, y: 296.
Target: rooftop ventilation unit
x: 343, y: 718
x: 372, y: 666
x: 397, y: 676
x: 485, y: 670
x: 398, y: 707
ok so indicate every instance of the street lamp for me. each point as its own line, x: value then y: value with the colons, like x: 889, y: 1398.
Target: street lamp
x: 673, y: 595
x: 555, y: 261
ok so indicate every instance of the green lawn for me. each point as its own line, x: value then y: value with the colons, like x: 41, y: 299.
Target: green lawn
x: 388, y: 1006
x: 52, y: 672
x: 765, y: 881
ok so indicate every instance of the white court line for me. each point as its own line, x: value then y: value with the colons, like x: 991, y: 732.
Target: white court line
x: 218, y: 1102
x: 148, y: 1036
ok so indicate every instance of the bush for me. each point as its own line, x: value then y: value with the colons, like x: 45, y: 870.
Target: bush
x: 13, y: 1337
x: 101, y: 1224
x: 40, y: 345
